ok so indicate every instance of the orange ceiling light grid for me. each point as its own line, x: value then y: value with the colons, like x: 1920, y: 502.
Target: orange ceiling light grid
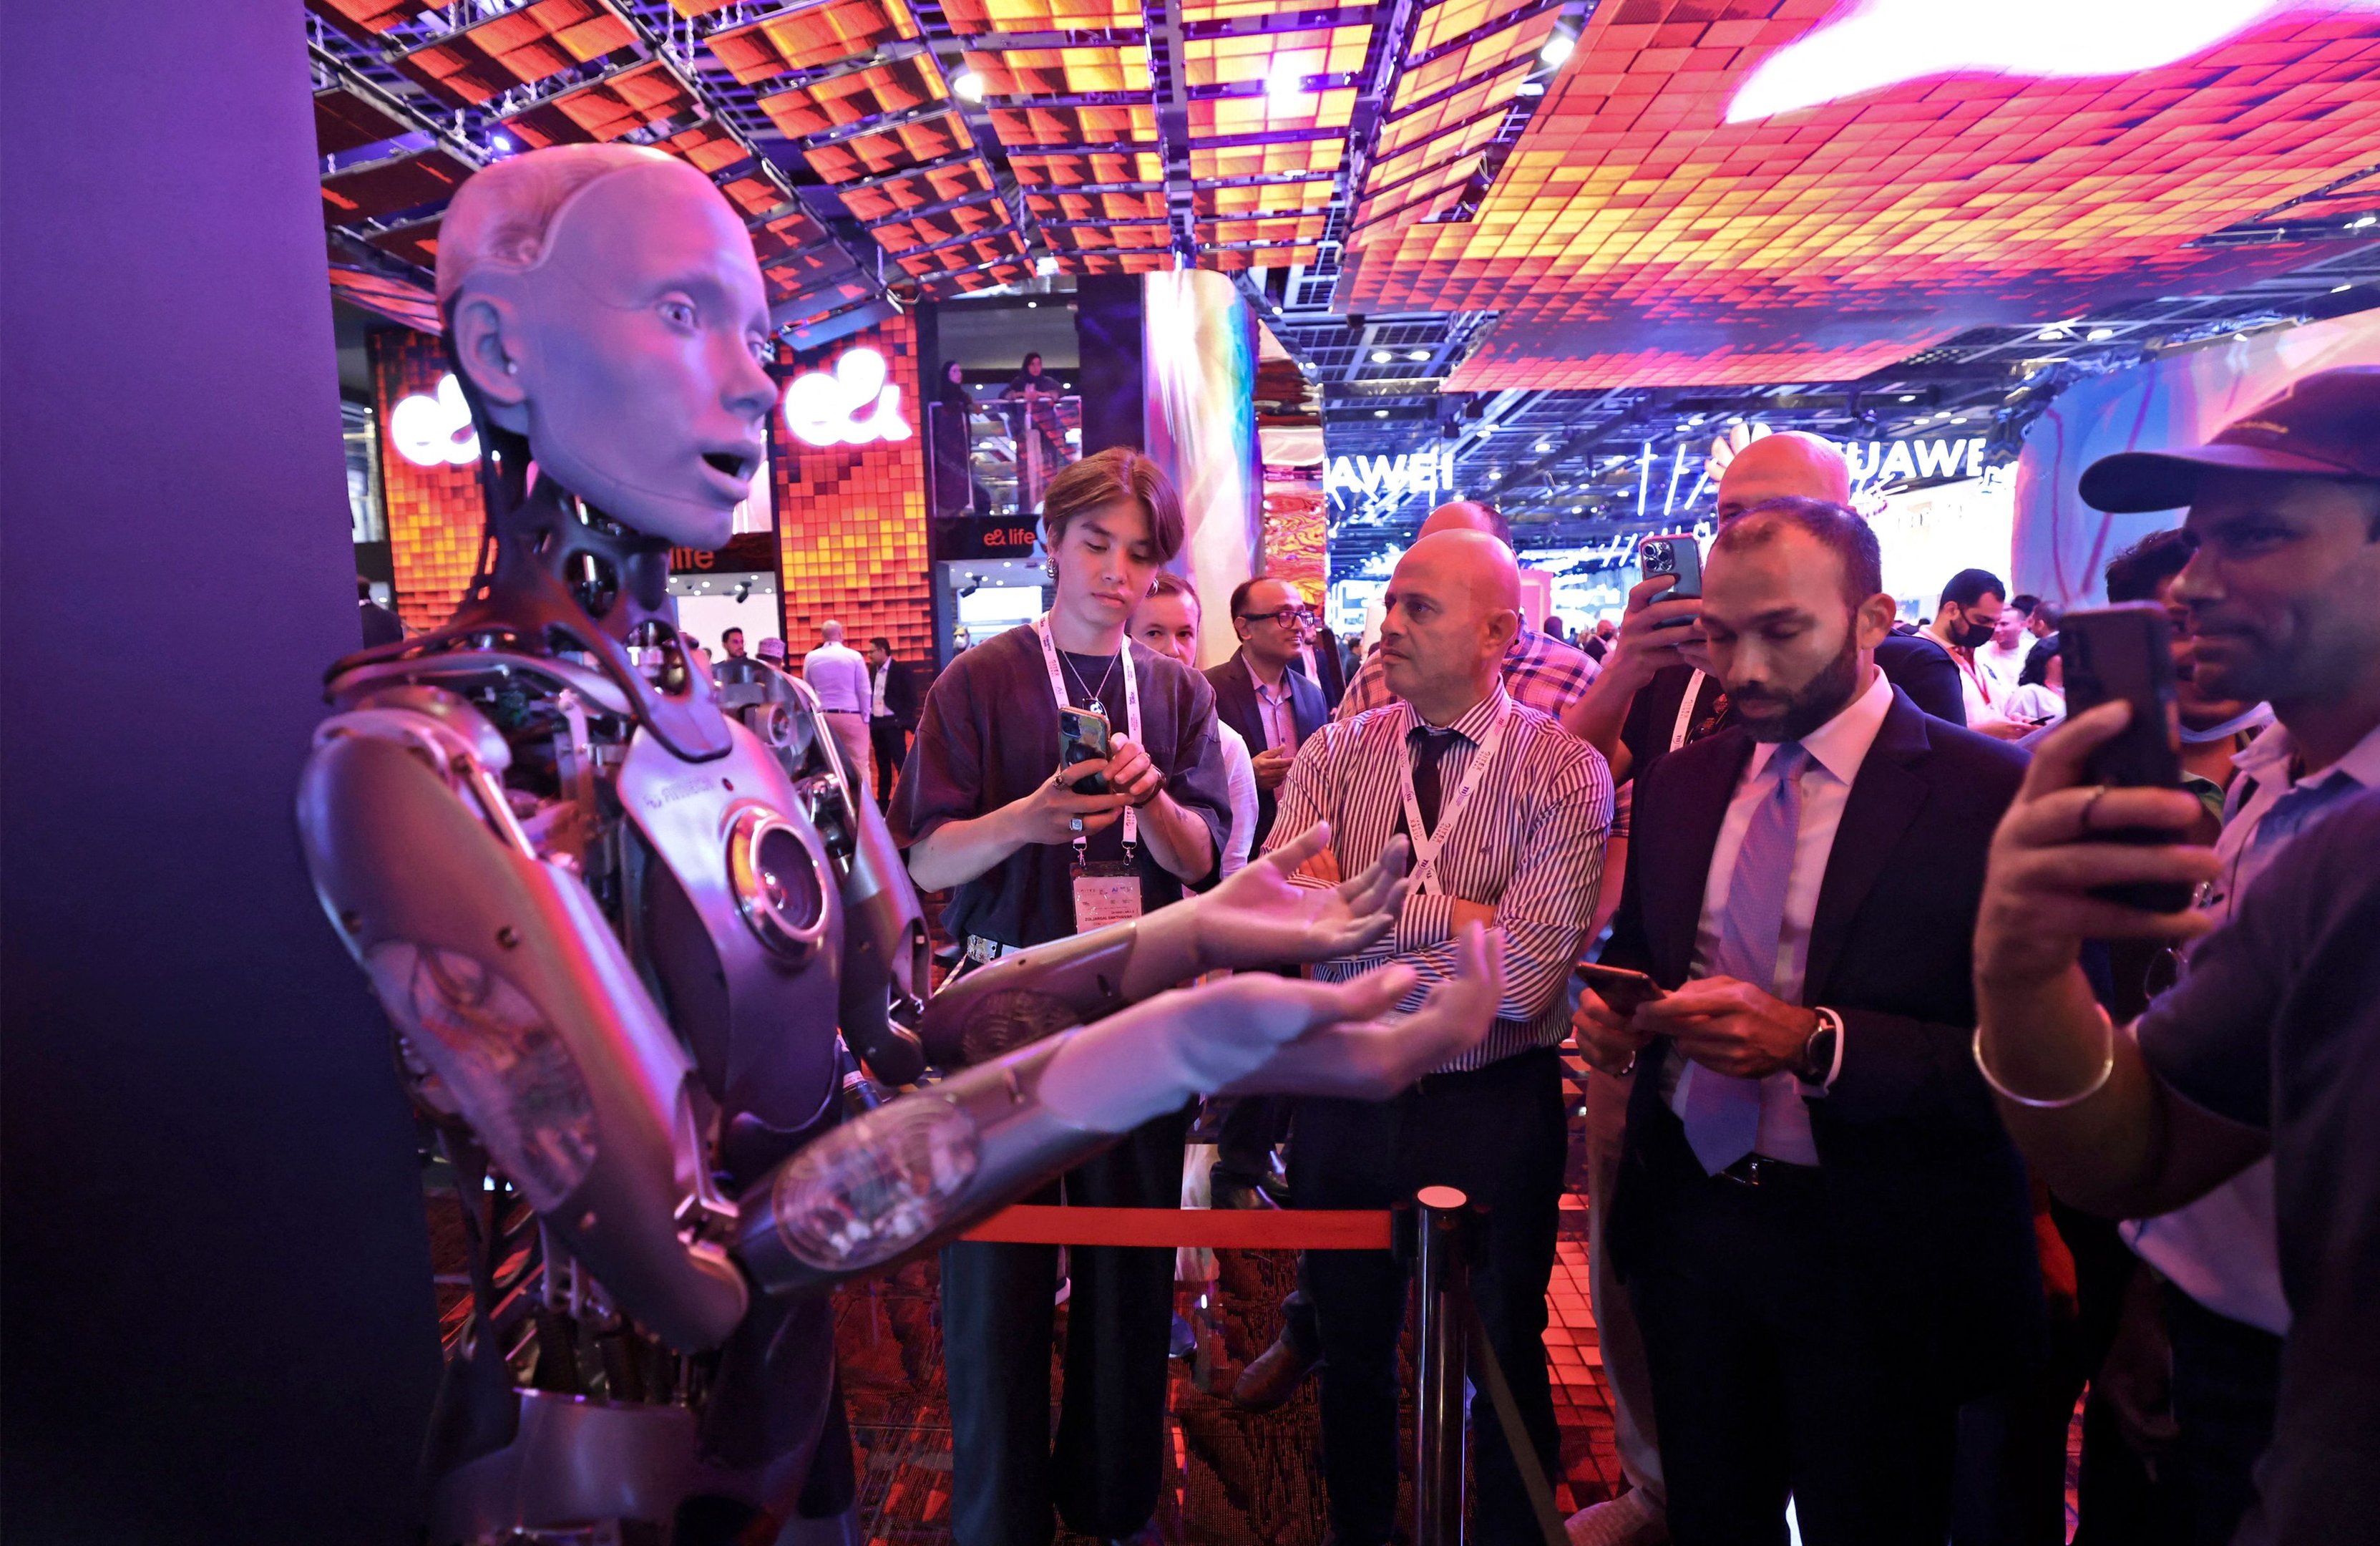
x: 1490, y: 96
x: 972, y: 19
x: 1441, y: 24
x: 1318, y: 155
x: 1126, y: 124
x: 1636, y: 237
x: 343, y: 122
x: 1261, y: 198
x: 638, y: 98
x: 919, y: 190
x: 1122, y: 205
x: 1436, y: 189
x: 392, y: 186
x: 1300, y: 227
x: 795, y: 229
x: 1005, y: 245
x: 848, y: 99
x: 1088, y: 169
x: 1114, y: 262
x: 889, y: 150
x: 1080, y: 70
x: 1256, y: 257
x: 519, y: 48
x: 930, y: 230
x: 756, y: 192
x: 1388, y: 172
x: 1226, y: 117
x: 1252, y: 58
x: 370, y: 18
x: 1197, y: 13
x: 706, y: 146
x: 1480, y: 56
x: 811, y: 37
x: 1108, y: 238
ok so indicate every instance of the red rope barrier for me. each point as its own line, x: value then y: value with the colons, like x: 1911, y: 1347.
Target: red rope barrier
x: 1216, y: 1229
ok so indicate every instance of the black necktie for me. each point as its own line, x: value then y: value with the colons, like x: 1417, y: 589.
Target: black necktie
x: 1428, y: 791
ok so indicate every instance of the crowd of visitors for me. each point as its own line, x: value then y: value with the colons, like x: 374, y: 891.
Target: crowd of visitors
x: 1900, y: 1139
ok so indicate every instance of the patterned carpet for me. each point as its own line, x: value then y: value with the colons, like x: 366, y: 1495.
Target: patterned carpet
x: 1234, y: 1477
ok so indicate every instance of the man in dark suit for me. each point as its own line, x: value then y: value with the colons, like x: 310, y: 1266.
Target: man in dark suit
x: 892, y: 715
x: 1824, y: 1229
x: 1259, y: 691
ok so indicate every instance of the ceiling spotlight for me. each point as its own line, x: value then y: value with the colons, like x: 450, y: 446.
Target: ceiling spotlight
x: 1033, y: 306
x: 1558, y: 48
x: 1908, y: 396
x: 2099, y: 334
x: 2336, y: 289
x: 1285, y: 81
x: 2051, y: 334
x: 1542, y: 447
x: 1416, y: 356
x: 1381, y: 356
x: 1380, y: 413
x: 502, y: 141
x: 2367, y: 219
x: 968, y: 85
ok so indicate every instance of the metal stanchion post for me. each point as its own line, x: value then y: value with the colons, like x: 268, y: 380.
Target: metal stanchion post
x: 1438, y: 1419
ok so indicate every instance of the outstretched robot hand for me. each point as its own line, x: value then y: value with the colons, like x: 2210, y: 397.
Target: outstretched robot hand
x: 1263, y: 917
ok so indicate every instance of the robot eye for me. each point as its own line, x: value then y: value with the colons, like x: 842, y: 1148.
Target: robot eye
x: 780, y: 884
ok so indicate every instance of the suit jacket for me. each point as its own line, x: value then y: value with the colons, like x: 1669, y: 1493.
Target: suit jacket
x: 1924, y: 1191
x: 1235, y: 705
x: 901, y: 695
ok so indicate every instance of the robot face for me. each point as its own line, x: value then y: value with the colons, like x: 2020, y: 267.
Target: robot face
x: 639, y: 348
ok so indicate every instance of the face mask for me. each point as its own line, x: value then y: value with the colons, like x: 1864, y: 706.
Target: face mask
x: 1969, y: 636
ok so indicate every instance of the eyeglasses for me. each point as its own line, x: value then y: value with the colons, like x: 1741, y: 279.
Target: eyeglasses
x: 1287, y: 617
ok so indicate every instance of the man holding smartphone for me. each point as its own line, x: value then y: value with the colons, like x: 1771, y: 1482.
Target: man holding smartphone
x: 2280, y: 593
x: 986, y: 812
x: 1825, y: 1234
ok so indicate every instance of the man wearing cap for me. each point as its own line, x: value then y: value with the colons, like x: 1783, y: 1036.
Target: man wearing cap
x: 2282, y: 595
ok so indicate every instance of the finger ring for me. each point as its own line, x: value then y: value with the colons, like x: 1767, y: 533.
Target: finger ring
x: 1627, y: 1068
x: 2090, y: 805
x: 1075, y: 824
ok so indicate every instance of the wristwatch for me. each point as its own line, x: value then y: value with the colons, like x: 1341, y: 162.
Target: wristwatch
x: 1818, y: 1052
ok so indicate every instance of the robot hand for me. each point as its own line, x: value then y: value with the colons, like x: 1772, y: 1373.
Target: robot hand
x: 1260, y: 917
x: 1263, y: 1034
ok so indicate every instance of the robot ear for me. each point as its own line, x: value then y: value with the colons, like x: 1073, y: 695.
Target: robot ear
x: 487, y: 331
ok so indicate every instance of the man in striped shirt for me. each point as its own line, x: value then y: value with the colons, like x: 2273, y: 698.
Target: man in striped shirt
x: 1539, y: 669
x: 1508, y: 813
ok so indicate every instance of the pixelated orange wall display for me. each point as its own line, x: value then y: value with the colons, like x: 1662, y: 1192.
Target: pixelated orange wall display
x: 435, y: 515
x: 851, y: 519
x: 1637, y: 238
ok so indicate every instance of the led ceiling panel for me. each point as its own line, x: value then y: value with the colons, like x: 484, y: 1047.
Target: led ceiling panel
x: 1148, y: 205
x: 1256, y: 257
x: 1470, y: 61
x: 1223, y: 117
x: 1114, y: 262
x: 971, y: 19
x: 1789, y: 190
x: 810, y: 37
x: 1441, y: 24
x: 1062, y: 72
x: 804, y: 302
x: 1420, y: 197
x: 343, y: 122
x: 518, y: 48
x: 1254, y: 57
x: 889, y: 150
x: 1223, y: 163
x: 392, y: 298
x: 844, y: 101
x: 1197, y: 12
x: 1296, y: 227
x: 1130, y: 124
x: 808, y: 269
x: 992, y: 248
x: 707, y: 146
x: 637, y: 98
x: 963, y: 280
x: 1389, y: 173
x: 908, y: 232
x: 416, y: 242
x: 789, y: 232
x: 698, y: 7
x: 392, y: 186
x: 1108, y: 238
x: 1492, y: 95
x: 1093, y: 169
x: 368, y: 17
x: 1285, y: 197
x: 758, y: 192
x: 919, y: 190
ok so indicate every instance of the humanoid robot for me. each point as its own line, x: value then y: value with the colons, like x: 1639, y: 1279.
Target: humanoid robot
x: 630, y: 929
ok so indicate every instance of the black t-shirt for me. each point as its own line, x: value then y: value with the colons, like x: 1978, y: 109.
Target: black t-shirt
x: 1652, y: 722
x: 2276, y: 1026
x: 990, y: 733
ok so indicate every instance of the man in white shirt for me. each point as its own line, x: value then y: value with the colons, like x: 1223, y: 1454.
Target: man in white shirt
x: 838, y: 676
x: 2000, y: 659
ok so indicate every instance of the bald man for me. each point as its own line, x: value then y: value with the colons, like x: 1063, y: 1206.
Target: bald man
x: 1508, y: 813
x: 1540, y: 670
x: 838, y: 676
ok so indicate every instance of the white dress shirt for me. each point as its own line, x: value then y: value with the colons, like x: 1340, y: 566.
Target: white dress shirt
x: 1837, y: 749
x: 838, y: 673
x: 876, y: 706
x: 1276, y: 709
x: 2224, y: 1250
x: 2003, y: 667
x: 1240, y: 779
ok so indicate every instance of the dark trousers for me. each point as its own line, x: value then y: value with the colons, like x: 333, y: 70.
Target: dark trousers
x: 2227, y: 1377
x: 892, y: 744
x: 1103, y: 1473
x: 1765, y: 1382
x: 1252, y: 1124
x: 1499, y: 1135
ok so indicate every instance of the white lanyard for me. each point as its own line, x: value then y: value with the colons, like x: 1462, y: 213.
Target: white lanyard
x: 1425, y: 870
x: 1686, y: 711
x: 1131, y: 713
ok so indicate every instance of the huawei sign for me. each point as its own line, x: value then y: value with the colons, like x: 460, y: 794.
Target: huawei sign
x: 1874, y: 43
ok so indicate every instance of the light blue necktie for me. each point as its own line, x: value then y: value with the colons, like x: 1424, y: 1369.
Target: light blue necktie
x: 1723, y: 1114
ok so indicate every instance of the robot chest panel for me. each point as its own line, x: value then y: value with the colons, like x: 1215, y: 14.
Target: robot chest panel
x: 741, y: 919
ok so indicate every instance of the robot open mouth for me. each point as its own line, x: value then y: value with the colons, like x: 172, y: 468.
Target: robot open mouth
x: 739, y: 468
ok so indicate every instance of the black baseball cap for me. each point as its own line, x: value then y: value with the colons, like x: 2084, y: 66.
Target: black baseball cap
x: 2325, y: 426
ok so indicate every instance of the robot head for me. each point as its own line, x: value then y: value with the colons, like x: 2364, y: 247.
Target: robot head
x: 603, y: 301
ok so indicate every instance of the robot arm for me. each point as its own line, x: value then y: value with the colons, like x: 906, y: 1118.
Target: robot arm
x: 518, y: 1010
x: 920, y: 1169
x: 1262, y: 916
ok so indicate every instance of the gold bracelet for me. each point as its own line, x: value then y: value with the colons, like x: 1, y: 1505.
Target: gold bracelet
x: 2106, y: 1067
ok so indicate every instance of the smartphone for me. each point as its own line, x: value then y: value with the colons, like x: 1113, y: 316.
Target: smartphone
x: 1621, y: 989
x: 2127, y: 652
x: 1083, y: 738
x: 1679, y: 556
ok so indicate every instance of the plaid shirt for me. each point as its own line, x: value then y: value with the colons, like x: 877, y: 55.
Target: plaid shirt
x: 1529, y: 843
x: 1540, y: 670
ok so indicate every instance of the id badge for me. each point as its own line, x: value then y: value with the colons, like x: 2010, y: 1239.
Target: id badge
x: 1106, y: 891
